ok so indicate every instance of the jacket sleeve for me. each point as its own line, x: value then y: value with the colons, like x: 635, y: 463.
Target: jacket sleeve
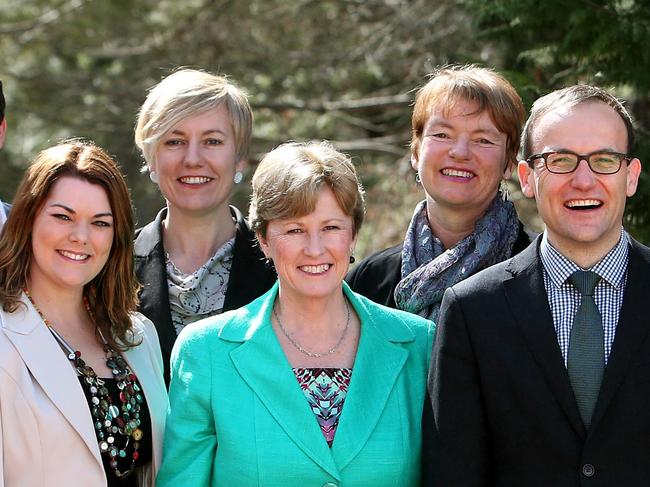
x: 459, y: 450
x: 190, y: 438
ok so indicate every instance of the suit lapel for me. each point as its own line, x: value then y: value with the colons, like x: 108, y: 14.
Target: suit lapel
x: 154, y: 299
x: 631, y: 330
x: 377, y: 366
x: 528, y: 301
x: 149, y: 375
x: 154, y: 296
x: 263, y: 366
x: 52, y: 371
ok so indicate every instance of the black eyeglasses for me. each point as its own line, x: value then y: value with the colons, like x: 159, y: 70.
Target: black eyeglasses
x: 601, y: 162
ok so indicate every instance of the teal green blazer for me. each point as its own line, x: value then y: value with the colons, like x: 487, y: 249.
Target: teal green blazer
x: 239, y: 418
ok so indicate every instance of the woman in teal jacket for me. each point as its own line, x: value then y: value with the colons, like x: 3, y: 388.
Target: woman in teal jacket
x: 310, y: 384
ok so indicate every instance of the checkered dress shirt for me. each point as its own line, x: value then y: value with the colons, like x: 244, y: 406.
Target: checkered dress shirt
x: 564, y: 299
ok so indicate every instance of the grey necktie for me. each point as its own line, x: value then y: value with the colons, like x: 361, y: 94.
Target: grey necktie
x: 586, y: 360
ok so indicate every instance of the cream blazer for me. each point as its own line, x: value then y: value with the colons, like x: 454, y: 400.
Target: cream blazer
x: 47, y: 436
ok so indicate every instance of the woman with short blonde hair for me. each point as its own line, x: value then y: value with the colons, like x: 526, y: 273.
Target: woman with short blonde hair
x: 196, y: 258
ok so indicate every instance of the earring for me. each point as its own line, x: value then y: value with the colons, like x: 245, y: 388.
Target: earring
x: 239, y: 176
x: 153, y: 176
x: 352, y: 259
x: 417, y: 177
x: 504, y: 190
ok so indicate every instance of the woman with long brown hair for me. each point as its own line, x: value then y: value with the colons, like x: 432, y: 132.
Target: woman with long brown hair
x: 82, y: 398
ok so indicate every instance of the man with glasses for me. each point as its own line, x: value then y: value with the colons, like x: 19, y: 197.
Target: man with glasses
x: 4, y: 207
x: 540, y: 374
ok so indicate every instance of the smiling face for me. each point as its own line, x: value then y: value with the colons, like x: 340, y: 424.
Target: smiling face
x: 196, y: 161
x: 311, y: 253
x: 72, y: 235
x: 461, y: 159
x: 582, y: 210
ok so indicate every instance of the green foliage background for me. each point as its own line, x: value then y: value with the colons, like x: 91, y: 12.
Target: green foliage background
x: 340, y: 70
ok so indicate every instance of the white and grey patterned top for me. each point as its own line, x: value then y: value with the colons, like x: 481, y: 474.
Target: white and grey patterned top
x: 564, y: 298
x: 201, y: 294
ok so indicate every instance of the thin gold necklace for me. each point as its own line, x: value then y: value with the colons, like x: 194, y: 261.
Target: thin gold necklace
x: 309, y: 353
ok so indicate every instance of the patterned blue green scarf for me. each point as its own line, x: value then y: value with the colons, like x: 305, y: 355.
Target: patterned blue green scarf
x: 428, y: 269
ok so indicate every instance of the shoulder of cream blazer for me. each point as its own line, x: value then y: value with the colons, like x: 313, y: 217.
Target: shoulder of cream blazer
x: 46, y: 429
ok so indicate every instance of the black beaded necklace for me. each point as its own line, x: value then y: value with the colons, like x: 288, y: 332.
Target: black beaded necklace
x: 108, y: 418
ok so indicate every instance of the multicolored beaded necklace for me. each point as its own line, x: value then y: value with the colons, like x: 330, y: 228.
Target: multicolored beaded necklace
x: 109, y: 419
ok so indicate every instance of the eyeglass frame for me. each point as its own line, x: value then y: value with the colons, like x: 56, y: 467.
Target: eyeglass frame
x: 581, y: 157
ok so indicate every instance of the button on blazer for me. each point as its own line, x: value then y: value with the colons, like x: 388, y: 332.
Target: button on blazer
x: 238, y: 416
x: 505, y: 413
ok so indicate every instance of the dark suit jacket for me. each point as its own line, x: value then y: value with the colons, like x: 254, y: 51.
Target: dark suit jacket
x: 377, y: 276
x: 250, y: 277
x: 505, y: 413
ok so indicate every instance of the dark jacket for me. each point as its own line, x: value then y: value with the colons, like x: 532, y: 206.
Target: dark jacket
x: 250, y: 277
x: 505, y: 413
x: 377, y: 276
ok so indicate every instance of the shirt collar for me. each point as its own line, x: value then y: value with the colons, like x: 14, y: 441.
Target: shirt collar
x: 611, y: 268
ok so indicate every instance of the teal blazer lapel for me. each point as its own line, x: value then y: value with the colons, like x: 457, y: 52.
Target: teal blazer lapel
x: 378, y: 364
x: 52, y: 370
x: 263, y: 366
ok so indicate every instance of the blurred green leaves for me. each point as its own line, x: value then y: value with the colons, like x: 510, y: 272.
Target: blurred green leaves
x: 343, y: 70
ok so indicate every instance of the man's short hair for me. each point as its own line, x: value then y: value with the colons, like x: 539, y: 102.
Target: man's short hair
x: 2, y: 104
x: 568, y: 98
